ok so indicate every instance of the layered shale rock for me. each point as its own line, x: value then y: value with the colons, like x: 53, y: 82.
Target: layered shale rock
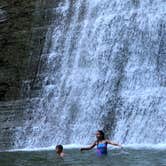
x: 23, y: 28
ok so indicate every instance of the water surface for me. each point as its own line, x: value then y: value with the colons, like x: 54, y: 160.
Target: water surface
x: 115, y: 157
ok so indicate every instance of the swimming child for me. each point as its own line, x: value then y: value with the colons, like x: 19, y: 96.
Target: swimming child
x: 59, y: 150
x: 101, y: 144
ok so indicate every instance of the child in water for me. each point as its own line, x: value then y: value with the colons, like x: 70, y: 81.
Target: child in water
x: 101, y: 144
x: 59, y: 150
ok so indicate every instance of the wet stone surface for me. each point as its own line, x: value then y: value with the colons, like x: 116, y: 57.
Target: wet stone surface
x: 23, y: 28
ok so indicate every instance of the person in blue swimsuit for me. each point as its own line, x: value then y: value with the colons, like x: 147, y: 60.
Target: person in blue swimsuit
x: 101, y: 144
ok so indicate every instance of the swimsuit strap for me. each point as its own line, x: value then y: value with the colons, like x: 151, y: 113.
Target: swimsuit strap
x: 102, y: 145
x: 101, y: 148
x: 97, y: 143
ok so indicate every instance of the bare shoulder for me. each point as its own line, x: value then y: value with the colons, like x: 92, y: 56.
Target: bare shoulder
x: 108, y: 141
x: 95, y: 143
x: 62, y: 154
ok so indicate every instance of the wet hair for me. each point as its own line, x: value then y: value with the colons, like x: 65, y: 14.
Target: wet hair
x: 59, y: 147
x: 102, y: 133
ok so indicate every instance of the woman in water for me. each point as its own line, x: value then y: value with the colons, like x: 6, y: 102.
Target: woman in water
x: 101, y: 144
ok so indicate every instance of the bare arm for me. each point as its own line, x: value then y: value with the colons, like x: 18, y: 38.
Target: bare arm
x: 89, y: 148
x: 113, y: 143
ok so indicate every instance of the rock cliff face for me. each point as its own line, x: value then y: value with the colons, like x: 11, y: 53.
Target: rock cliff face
x: 23, y: 27
x: 69, y: 67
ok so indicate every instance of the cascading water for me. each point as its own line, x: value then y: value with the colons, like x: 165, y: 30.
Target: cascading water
x: 105, y: 70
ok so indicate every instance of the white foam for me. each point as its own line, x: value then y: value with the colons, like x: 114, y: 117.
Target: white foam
x: 69, y: 146
x: 77, y: 146
x: 146, y: 146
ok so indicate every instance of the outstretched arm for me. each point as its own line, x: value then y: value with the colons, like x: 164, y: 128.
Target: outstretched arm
x: 113, y: 143
x: 89, y: 148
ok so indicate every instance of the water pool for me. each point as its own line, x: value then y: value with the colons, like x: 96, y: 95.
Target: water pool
x: 115, y: 157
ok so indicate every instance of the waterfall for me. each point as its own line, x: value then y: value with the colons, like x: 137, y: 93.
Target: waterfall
x: 105, y: 69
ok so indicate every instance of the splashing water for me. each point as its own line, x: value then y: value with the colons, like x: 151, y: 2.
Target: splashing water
x: 105, y: 70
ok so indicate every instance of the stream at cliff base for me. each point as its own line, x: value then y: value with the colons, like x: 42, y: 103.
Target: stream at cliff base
x: 115, y: 157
